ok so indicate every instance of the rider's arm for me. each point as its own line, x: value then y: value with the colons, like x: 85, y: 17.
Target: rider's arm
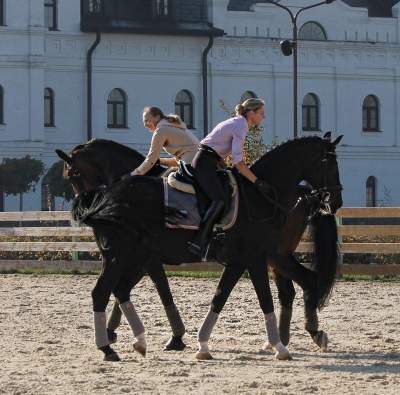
x: 238, y: 137
x: 157, y: 142
x: 245, y: 171
x: 170, y: 162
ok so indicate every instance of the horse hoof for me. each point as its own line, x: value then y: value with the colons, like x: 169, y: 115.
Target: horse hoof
x: 175, y: 344
x: 267, y: 346
x: 140, y: 349
x: 112, y: 336
x: 112, y: 357
x: 321, y: 340
x: 203, y: 356
x: 282, y: 353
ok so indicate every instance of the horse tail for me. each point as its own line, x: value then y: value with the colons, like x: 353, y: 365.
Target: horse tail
x: 326, y: 255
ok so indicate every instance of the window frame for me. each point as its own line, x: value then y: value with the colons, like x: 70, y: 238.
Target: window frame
x: 49, y: 96
x: 312, y: 39
x: 54, y: 14
x: 2, y: 13
x: 115, y: 105
x: 181, y: 105
x: 308, y: 126
x: 1, y: 105
x: 367, y: 112
x: 371, y: 192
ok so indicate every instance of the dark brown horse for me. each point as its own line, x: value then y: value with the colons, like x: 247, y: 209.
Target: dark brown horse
x: 312, y: 159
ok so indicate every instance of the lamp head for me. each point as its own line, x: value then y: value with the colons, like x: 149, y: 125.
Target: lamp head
x: 286, y: 47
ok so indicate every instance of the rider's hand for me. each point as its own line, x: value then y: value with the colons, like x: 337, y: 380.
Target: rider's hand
x: 264, y: 188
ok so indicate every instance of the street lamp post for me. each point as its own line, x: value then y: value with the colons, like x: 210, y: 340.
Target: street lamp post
x: 290, y: 47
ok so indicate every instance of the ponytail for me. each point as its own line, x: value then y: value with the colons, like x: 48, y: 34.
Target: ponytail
x: 157, y: 112
x: 252, y: 104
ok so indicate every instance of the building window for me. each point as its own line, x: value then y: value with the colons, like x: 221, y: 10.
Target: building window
x: 2, y: 21
x: 50, y: 14
x: 371, y: 192
x: 370, y: 114
x: 310, y: 109
x: 161, y: 8
x: 1, y: 105
x: 184, y: 107
x: 312, y: 31
x: 116, y: 109
x: 48, y: 201
x: 247, y: 95
x: 48, y: 108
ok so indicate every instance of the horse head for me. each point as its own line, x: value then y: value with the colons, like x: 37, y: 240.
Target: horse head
x: 101, y: 162
x: 312, y: 159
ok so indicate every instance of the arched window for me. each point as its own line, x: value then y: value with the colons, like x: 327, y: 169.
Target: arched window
x: 48, y: 201
x: 184, y: 107
x: 312, y: 31
x: 370, y: 114
x: 247, y: 95
x: 48, y: 108
x: 371, y: 191
x: 2, y: 21
x: 1, y: 105
x: 50, y: 14
x: 116, y: 109
x: 310, y: 109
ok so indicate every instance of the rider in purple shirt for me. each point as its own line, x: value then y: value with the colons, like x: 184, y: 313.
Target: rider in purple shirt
x: 226, y: 138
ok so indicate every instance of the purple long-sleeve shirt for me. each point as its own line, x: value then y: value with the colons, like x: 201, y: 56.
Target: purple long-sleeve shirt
x: 228, y: 138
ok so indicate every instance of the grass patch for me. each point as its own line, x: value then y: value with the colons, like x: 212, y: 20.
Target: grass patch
x: 366, y: 277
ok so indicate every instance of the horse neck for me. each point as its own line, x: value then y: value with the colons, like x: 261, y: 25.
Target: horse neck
x: 284, y: 169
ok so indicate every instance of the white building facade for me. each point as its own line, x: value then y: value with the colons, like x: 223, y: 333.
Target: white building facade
x: 349, y: 80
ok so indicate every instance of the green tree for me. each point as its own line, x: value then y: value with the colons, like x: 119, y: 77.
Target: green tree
x: 20, y: 175
x: 58, y: 185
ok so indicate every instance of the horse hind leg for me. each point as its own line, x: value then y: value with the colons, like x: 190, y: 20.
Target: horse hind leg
x: 157, y: 274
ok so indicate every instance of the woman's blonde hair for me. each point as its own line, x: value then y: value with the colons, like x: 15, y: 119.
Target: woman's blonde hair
x: 252, y: 104
x: 157, y: 112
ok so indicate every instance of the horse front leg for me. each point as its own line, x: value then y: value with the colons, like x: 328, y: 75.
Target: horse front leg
x: 319, y: 337
x: 122, y: 293
x: 258, y: 272
x: 286, y: 295
x: 100, y: 295
x: 157, y: 274
x: 114, y: 320
x: 229, y: 278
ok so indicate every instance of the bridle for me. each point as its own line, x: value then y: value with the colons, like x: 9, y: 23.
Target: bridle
x: 320, y: 199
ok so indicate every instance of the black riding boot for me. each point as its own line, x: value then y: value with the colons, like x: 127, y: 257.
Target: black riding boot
x: 199, y: 244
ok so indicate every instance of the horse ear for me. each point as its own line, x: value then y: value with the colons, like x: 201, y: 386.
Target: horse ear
x: 338, y: 140
x: 327, y: 136
x: 64, y: 156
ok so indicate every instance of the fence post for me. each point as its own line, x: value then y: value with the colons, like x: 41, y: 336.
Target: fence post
x: 74, y: 254
x: 339, y: 223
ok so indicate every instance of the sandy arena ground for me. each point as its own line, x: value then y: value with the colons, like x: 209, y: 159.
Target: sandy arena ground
x: 47, y: 342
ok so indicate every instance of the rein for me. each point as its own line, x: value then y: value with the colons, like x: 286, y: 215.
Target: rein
x: 322, y: 196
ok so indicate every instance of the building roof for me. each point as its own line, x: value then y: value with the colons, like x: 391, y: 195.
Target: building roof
x: 376, y: 8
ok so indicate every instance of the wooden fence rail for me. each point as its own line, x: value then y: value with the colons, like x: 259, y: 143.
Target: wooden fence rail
x: 44, y: 218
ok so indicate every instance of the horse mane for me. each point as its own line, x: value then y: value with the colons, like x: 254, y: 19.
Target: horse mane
x: 294, y: 143
x: 110, y: 145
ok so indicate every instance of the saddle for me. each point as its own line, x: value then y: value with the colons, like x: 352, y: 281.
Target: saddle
x: 186, y: 203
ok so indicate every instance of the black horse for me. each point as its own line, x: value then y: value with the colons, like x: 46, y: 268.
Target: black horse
x: 250, y: 241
